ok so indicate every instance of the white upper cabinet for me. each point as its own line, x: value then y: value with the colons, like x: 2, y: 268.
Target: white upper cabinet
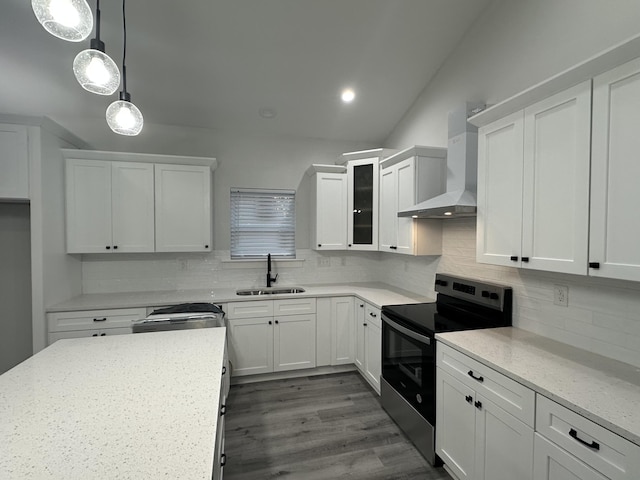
x: 407, y: 178
x: 14, y: 162
x: 615, y: 170
x: 183, y: 208
x: 109, y: 206
x: 328, y: 207
x: 533, y: 185
x: 118, y: 205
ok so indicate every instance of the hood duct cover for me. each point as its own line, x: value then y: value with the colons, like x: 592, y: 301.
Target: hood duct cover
x: 462, y: 172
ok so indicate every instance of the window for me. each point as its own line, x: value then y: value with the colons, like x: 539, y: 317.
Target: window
x: 262, y: 222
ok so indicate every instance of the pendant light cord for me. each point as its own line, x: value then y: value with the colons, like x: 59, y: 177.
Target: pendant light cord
x: 98, y: 20
x: 124, y: 48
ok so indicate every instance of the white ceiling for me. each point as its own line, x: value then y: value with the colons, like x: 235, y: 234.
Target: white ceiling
x: 215, y: 63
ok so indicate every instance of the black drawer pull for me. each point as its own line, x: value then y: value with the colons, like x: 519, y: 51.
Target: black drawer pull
x: 372, y: 314
x: 594, y: 445
x: 223, y: 410
x: 478, y: 405
x: 469, y: 399
x: 393, y: 247
x: 514, y: 258
x: 224, y: 370
x: 525, y: 259
x: 100, y: 319
x: 480, y: 379
x: 223, y: 459
x: 364, y: 324
x: 594, y: 264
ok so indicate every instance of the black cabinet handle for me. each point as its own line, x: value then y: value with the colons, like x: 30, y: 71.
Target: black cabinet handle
x: 514, y: 258
x: 594, y: 264
x: 480, y: 379
x: 361, y: 305
x: 276, y: 322
x: 94, y: 335
x: 364, y: 324
x: 270, y: 322
x: 108, y: 247
x: 115, y: 247
x: 594, y: 445
x: 102, y: 334
x: 206, y: 246
x: 319, y: 244
x: 348, y: 245
x: 223, y: 459
x: 223, y: 410
x: 372, y: 314
x: 100, y: 319
x: 469, y: 398
x: 393, y: 247
x: 478, y: 405
x: 224, y: 369
x: 525, y: 259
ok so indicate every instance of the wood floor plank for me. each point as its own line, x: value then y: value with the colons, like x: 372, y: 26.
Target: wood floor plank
x: 321, y: 427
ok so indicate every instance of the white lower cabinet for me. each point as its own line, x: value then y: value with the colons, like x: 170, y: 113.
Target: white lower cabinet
x: 267, y: 336
x: 368, y: 343
x: 219, y: 457
x: 92, y: 323
x: 484, y: 420
x: 342, y: 331
x: 553, y: 463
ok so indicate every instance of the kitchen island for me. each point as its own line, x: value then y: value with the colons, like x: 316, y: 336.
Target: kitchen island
x: 115, y: 407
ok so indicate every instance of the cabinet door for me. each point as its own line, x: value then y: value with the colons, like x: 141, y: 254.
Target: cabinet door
x: 363, y: 204
x: 500, y: 155
x: 14, y: 162
x: 615, y: 223
x: 360, y: 359
x: 405, y: 198
x: 388, y: 233
x: 553, y: 463
x: 331, y: 211
x: 251, y: 345
x: 294, y: 346
x: 88, y: 198
x: 456, y: 425
x: 504, y: 445
x: 373, y: 363
x: 183, y: 208
x: 133, y: 207
x: 555, y: 218
x: 343, y: 331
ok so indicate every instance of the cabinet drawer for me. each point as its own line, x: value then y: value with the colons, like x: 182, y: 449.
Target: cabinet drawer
x: 372, y: 315
x: 294, y: 306
x: 94, y: 319
x: 251, y: 309
x: 598, y: 447
x: 55, y: 336
x: 506, y: 393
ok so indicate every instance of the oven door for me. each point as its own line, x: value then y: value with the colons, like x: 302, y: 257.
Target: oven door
x: 409, y: 365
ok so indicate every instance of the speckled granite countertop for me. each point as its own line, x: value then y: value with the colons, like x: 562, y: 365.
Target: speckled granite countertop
x: 605, y: 391
x: 114, y: 407
x: 378, y: 294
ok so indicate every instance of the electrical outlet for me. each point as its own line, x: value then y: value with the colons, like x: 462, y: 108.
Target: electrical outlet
x: 561, y: 295
x: 324, y: 261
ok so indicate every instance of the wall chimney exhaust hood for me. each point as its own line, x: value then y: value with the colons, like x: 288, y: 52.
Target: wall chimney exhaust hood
x: 462, y: 171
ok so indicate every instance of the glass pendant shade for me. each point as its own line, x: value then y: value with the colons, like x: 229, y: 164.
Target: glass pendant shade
x: 69, y: 20
x: 96, y: 72
x: 123, y: 117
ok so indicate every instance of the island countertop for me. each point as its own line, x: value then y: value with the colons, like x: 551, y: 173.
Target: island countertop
x: 115, y: 407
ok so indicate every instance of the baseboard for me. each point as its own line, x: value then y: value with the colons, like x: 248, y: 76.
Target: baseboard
x: 308, y: 372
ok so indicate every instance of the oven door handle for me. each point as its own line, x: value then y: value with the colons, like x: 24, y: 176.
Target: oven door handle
x: 406, y: 331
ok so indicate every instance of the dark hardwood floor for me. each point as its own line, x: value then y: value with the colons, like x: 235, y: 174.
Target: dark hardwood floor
x: 322, y: 427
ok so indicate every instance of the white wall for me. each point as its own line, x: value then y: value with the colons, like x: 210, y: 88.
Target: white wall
x: 15, y: 285
x: 513, y: 46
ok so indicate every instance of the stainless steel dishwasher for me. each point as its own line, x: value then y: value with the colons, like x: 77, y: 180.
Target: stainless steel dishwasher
x: 181, y: 317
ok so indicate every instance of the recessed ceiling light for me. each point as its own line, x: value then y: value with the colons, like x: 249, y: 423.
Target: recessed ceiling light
x: 348, y: 95
x: 266, y: 112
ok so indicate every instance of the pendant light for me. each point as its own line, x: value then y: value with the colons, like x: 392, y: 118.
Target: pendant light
x: 123, y: 117
x: 69, y: 20
x: 94, y: 69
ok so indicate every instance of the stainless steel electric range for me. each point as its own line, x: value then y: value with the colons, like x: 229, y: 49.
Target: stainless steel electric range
x: 408, y: 383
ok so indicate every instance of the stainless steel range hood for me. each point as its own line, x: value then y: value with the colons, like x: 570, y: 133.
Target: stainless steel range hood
x: 462, y: 171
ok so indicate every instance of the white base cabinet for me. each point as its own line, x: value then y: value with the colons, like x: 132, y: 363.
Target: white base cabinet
x: 484, y: 420
x: 272, y: 335
x: 92, y: 323
x: 342, y: 331
x: 368, y: 356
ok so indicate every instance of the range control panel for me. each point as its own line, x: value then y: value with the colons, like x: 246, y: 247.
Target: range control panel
x: 493, y: 295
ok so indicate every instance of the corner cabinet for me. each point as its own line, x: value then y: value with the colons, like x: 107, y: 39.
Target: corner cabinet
x: 328, y: 207
x: 362, y: 208
x: 14, y: 162
x: 407, y: 178
x: 122, y: 202
x: 533, y: 185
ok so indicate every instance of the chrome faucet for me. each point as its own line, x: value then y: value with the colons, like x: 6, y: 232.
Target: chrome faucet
x: 270, y: 279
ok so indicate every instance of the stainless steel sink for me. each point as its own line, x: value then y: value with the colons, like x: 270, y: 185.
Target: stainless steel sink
x: 270, y: 291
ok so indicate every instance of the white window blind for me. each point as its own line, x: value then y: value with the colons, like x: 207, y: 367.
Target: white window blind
x: 262, y: 222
